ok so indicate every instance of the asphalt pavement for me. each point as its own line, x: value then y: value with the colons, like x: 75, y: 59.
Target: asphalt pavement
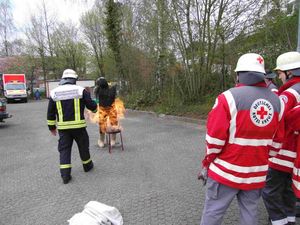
x: 152, y: 182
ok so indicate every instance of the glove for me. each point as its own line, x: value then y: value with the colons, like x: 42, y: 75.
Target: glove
x: 202, y: 175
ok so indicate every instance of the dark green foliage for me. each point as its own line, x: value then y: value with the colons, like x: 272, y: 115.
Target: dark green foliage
x: 113, y: 33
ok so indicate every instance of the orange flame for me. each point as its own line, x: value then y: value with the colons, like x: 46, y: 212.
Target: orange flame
x: 120, y: 108
x: 94, y: 117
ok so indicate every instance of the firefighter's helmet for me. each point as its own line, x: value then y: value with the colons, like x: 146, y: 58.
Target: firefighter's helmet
x: 288, y: 61
x: 68, y: 73
x: 250, y: 62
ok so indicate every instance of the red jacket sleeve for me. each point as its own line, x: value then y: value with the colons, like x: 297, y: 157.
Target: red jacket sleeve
x: 289, y: 100
x: 218, y: 123
x: 293, y: 118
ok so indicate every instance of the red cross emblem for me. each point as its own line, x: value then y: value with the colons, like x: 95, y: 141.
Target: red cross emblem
x: 260, y: 60
x: 262, y: 113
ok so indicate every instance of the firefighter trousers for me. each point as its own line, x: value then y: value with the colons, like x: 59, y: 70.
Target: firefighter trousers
x: 65, y: 143
x: 218, y: 198
x: 279, y: 197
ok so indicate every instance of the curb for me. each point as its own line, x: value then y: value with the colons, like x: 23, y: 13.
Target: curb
x: 171, y: 117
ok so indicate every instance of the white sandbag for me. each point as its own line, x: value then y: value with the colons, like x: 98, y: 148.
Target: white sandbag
x: 82, y: 219
x: 96, y: 213
x: 102, y: 220
x: 111, y: 213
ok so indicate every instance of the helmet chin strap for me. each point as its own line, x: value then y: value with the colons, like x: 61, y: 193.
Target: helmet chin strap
x: 286, y: 75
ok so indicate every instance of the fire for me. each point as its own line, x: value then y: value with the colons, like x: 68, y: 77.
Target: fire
x: 94, y: 117
x: 119, y: 105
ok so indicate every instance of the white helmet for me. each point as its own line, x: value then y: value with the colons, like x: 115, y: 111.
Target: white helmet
x: 288, y: 61
x: 250, y: 62
x: 68, y: 73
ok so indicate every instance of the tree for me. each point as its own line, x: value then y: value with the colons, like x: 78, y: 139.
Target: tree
x: 113, y: 33
x: 6, y: 25
x: 69, y: 50
x: 93, y: 27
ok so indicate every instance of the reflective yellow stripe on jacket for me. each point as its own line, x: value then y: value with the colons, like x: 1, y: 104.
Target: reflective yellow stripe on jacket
x: 51, y: 122
x: 77, y: 123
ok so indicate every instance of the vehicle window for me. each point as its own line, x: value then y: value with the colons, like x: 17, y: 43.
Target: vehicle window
x: 15, y: 86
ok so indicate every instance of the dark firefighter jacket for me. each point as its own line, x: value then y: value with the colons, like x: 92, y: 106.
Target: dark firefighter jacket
x: 105, y: 94
x: 66, y: 107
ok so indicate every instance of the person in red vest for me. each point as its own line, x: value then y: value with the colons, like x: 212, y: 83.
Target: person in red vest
x: 240, y: 131
x: 293, y: 120
x: 278, y: 195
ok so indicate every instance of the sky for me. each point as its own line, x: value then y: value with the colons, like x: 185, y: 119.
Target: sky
x: 62, y: 10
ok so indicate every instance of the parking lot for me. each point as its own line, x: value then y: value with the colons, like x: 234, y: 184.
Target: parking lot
x: 152, y: 182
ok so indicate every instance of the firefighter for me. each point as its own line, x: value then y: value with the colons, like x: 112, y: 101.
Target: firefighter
x: 107, y: 111
x: 269, y: 79
x: 278, y: 195
x: 65, y: 113
x: 240, y: 130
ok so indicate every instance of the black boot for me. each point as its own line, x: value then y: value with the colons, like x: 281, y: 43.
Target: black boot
x: 88, y: 167
x: 66, y: 179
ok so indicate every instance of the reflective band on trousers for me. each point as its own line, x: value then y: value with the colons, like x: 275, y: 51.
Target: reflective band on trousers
x: 65, y: 166
x: 87, y: 161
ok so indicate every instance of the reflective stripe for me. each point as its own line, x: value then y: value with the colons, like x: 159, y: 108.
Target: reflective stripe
x: 280, y: 222
x: 233, y: 113
x: 251, y: 142
x: 65, y: 127
x: 241, y: 169
x: 235, y: 179
x: 65, y: 166
x: 51, y: 122
x: 288, y: 153
x: 71, y: 122
x: 214, y: 141
x: 272, y: 153
x: 59, y: 111
x: 276, y: 145
x: 87, y: 161
x: 212, y: 150
x: 77, y: 109
x: 296, y: 171
x: 296, y: 184
x: 295, y: 93
x: 282, y: 108
x: 282, y: 162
